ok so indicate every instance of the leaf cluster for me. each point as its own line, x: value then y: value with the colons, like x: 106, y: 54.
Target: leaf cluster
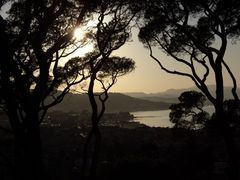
x: 188, y: 112
x: 232, y: 112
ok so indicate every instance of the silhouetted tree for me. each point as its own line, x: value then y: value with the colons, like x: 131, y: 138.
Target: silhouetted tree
x: 112, y: 67
x: 188, y: 113
x: 35, y: 37
x: 112, y: 30
x: 188, y: 32
x: 232, y: 110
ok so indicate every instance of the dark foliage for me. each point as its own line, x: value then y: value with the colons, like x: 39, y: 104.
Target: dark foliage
x: 35, y: 36
x: 186, y: 31
x: 188, y: 113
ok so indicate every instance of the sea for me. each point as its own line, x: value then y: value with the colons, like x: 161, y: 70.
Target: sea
x: 159, y: 118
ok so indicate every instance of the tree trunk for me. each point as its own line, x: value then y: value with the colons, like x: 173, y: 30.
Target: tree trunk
x: 233, y: 156
x: 96, y: 150
x: 28, y: 150
x: 94, y: 133
x: 231, y: 149
x: 85, y: 155
x: 223, y: 123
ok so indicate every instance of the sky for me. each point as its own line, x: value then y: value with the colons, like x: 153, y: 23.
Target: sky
x: 148, y: 76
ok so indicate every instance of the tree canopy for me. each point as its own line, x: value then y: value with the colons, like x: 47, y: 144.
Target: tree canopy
x: 36, y: 37
x: 196, y: 34
x: 188, y: 113
x: 188, y: 32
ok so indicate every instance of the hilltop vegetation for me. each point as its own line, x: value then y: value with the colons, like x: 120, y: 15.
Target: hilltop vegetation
x: 127, y: 153
x: 129, y: 102
x: 117, y: 103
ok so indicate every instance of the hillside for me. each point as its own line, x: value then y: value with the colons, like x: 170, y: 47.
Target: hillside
x: 171, y: 95
x: 129, y: 101
x: 116, y: 103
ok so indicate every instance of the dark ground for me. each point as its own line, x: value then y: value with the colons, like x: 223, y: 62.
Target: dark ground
x: 131, y: 152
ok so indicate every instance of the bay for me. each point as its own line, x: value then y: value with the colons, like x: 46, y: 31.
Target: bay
x: 159, y: 118
x: 153, y: 118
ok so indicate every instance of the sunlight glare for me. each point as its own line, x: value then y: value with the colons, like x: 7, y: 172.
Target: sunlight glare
x: 78, y: 34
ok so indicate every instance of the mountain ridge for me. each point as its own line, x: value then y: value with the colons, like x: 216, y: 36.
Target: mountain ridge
x: 117, y: 102
x: 128, y: 102
x: 175, y: 93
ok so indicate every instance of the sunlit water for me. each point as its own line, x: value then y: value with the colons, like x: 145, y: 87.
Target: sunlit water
x: 158, y: 118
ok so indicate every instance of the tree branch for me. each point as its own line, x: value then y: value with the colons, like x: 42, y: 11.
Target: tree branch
x: 234, y: 88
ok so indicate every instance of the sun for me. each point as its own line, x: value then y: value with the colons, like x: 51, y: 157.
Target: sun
x: 78, y: 33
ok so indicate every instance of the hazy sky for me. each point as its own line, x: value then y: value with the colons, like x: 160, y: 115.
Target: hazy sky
x: 149, y: 78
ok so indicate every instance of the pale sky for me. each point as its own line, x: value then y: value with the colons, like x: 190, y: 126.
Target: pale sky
x: 149, y: 78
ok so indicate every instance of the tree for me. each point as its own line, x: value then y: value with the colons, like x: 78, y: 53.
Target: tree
x: 188, y: 113
x: 232, y: 110
x: 35, y: 37
x: 111, y: 32
x: 111, y: 68
x: 188, y: 32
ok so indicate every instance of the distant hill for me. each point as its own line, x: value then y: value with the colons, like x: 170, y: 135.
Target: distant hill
x: 130, y: 102
x: 171, y: 95
x: 116, y: 103
x: 176, y: 92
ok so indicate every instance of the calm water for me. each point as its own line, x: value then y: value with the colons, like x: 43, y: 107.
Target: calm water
x: 158, y: 118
